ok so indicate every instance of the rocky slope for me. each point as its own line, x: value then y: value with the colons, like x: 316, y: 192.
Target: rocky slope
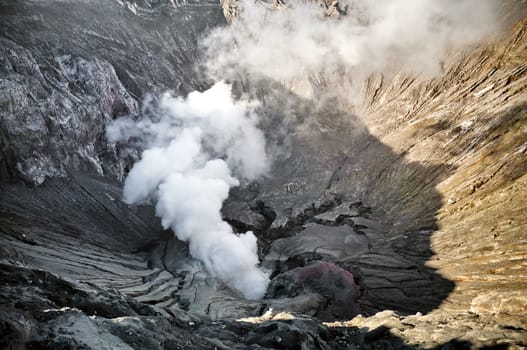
x: 411, y: 215
x: 69, y: 67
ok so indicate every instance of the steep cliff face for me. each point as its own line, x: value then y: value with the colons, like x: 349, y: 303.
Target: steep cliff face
x: 470, y: 129
x: 68, y: 68
x: 405, y: 205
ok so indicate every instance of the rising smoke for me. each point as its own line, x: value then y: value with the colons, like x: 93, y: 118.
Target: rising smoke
x: 199, y: 147
x: 195, y: 146
x: 375, y: 36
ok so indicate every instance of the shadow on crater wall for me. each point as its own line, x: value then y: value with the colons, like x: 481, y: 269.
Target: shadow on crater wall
x: 330, y: 153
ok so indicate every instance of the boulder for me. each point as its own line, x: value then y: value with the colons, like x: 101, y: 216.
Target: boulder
x: 335, y: 284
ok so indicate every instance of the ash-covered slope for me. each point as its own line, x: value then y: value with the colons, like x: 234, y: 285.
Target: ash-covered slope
x: 411, y: 214
x: 70, y: 67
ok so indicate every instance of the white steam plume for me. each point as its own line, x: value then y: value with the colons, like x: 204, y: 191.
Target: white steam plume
x: 182, y: 170
x: 412, y: 36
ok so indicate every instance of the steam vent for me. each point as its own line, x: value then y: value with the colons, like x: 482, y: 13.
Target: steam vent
x: 271, y: 174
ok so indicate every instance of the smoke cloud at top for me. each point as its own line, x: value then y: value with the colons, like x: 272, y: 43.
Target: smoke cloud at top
x: 196, y: 146
x: 375, y: 36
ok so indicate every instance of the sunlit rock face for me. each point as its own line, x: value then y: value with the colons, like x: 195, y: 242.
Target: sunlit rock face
x: 392, y: 214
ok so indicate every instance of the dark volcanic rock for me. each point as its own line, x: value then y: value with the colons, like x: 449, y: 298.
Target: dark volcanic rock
x: 335, y: 284
x: 67, y: 68
x: 41, y: 311
x: 296, y: 333
x: 315, y: 242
